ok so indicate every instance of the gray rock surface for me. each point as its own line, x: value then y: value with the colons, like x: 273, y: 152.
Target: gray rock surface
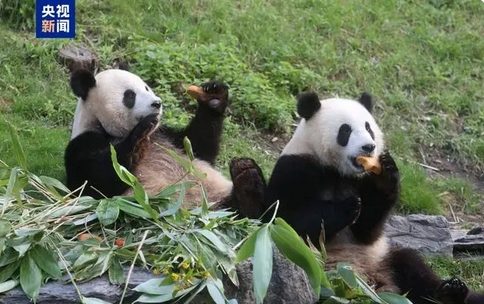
x: 430, y: 235
x: 289, y: 284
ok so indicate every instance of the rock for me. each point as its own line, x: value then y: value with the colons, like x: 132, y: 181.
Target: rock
x: 430, y: 235
x: 471, y: 241
x: 75, y: 57
x: 289, y: 284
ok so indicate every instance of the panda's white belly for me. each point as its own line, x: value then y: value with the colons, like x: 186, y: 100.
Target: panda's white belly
x: 158, y: 169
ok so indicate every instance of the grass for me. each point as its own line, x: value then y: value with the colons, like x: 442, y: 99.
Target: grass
x: 421, y: 60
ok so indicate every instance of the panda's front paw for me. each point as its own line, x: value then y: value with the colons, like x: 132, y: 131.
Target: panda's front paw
x: 350, y: 210
x: 389, y: 179
x: 216, y: 95
x: 144, y: 128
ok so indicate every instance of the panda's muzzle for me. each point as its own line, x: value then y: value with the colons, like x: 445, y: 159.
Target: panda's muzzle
x: 156, y: 104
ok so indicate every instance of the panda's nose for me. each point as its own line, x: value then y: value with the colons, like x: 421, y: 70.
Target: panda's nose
x: 156, y: 104
x: 368, y: 148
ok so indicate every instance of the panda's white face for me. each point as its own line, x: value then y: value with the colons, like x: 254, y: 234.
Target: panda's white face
x: 338, y: 132
x: 118, y: 101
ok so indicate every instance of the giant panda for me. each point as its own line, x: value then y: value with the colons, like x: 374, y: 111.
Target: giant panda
x: 117, y: 107
x: 319, y: 183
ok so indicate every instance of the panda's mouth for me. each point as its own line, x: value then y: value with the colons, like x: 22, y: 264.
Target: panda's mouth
x: 355, y: 163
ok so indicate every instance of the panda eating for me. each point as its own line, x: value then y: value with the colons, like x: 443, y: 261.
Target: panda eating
x: 117, y: 107
x: 319, y: 181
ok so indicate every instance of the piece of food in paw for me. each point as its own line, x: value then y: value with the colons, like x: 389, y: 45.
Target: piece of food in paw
x: 370, y: 164
x: 195, y: 92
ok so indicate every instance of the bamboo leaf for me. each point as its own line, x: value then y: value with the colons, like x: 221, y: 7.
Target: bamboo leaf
x: 247, y: 249
x: 215, y: 292
x: 17, y: 147
x: 295, y: 250
x: 116, y: 274
x: 107, y: 212
x: 94, y: 301
x: 154, y: 287
x: 7, y: 271
x: 393, y: 298
x: 30, y: 277
x: 347, y: 274
x: 132, y: 208
x: 262, y: 264
x: 188, y: 148
x: 5, y: 228
x: 8, y: 285
x: 46, y: 261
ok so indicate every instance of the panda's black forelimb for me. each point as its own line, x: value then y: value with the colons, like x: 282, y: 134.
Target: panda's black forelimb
x: 88, y: 157
x: 379, y: 194
x: 205, y: 129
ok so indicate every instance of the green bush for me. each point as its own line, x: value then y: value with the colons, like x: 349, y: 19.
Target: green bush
x: 18, y: 13
x: 171, y: 67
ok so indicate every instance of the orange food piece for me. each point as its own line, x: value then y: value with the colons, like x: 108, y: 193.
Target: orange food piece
x: 85, y: 236
x: 119, y: 242
x: 370, y: 164
x: 195, y: 92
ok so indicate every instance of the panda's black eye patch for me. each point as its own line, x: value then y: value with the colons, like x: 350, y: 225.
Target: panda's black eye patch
x: 344, y: 135
x: 129, y: 98
x: 368, y: 128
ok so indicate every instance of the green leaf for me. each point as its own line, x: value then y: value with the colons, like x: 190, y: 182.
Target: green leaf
x: 214, y: 239
x: 347, y: 274
x: 17, y: 147
x: 154, y: 287
x: 336, y: 300
x: 5, y: 228
x: 46, y: 261
x: 8, y: 256
x: 22, y: 248
x: 368, y: 290
x: 393, y: 298
x: 147, y: 298
x: 132, y: 208
x: 172, y: 210
x: 107, y: 212
x: 295, y: 250
x: 188, y: 148
x: 17, y: 181
x: 116, y: 273
x: 247, y: 249
x: 262, y: 264
x: 52, y: 182
x: 139, y: 192
x: 30, y: 277
x: 215, y: 292
x: 8, y: 285
x: 7, y: 271
x: 94, y: 301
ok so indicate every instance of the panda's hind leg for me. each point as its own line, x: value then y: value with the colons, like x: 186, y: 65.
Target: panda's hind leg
x: 248, y: 190
x: 413, y: 275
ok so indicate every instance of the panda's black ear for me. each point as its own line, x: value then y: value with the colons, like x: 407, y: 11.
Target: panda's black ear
x: 307, y: 104
x: 81, y: 82
x: 123, y: 66
x: 366, y: 100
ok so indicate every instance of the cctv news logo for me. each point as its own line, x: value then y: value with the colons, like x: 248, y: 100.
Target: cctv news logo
x: 55, y: 18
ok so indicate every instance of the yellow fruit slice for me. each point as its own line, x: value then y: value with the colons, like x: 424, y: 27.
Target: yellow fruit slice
x: 370, y: 164
x: 195, y: 92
